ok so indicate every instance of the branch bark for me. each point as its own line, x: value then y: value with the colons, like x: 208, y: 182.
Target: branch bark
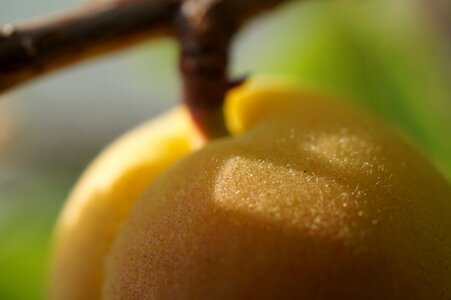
x: 204, y: 29
x: 36, y: 48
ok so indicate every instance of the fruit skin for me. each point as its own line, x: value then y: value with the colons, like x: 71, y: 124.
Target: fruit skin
x: 310, y: 198
x: 102, y: 198
x: 314, y: 200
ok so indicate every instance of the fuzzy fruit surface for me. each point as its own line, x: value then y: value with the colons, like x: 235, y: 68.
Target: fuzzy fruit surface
x: 310, y: 198
x: 102, y: 198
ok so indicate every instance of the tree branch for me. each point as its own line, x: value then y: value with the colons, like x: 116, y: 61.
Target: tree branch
x: 204, y: 29
x: 36, y: 48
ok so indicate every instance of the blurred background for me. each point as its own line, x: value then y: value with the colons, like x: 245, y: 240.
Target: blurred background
x: 392, y: 56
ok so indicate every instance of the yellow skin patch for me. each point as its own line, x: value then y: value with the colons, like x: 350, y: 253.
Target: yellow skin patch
x: 104, y: 195
x: 310, y: 199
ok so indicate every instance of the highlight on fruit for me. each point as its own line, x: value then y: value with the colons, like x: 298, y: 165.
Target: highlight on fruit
x: 253, y: 187
x: 309, y: 198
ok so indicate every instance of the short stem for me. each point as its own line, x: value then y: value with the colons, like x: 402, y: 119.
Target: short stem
x: 205, y: 36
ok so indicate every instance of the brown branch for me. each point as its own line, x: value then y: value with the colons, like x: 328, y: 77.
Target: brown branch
x: 36, y: 48
x: 204, y: 29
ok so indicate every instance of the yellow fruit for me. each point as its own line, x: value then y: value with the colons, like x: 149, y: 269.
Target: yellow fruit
x: 104, y: 195
x: 310, y: 199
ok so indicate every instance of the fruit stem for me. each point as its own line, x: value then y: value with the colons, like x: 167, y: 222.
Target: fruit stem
x: 204, y: 34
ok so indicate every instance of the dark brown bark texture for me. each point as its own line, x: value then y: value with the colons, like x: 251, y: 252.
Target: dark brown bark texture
x: 204, y: 29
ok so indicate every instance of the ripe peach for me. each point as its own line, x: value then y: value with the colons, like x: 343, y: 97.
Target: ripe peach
x: 309, y: 199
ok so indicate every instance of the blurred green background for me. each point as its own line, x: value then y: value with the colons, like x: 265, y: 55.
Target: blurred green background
x: 392, y: 56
